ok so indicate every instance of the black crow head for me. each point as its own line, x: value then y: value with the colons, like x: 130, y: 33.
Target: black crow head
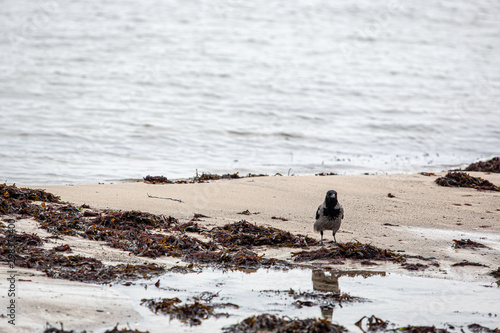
x: 331, y: 198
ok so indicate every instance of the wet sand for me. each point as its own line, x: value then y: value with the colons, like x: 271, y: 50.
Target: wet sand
x: 421, y: 219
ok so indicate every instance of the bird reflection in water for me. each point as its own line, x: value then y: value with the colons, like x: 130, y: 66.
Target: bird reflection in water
x: 327, y: 280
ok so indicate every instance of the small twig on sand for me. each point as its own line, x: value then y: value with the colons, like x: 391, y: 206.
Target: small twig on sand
x: 152, y: 196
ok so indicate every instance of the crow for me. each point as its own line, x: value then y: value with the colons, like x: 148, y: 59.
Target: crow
x: 329, y: 215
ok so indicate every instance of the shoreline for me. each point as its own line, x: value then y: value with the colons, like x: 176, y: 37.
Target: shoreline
x: 419, y: 219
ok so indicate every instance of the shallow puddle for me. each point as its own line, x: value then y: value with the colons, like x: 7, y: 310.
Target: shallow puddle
x: 403, y: 300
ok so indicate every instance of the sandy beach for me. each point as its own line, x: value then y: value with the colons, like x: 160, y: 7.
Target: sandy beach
x: 419, y: 218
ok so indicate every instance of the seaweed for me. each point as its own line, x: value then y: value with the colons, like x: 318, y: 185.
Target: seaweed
x: 374, y: 324
x: 467, y: 244
x: 244, y: 233
x: 157, y: 180
x: 189, y: 313
x: 462, y: 179
x: 279, y: 218
x: 51, y: 329
x: 273, y: 323
x: 62, y: 248
x: 414, y: 267
x: 228, y: 258
x: 124, y: 330
x: 210, y: 176
x: 476, y: 328
x: 326, y: 174
x: 21, y: 193
x: 467, y: 263
x: 357, y: 251
x: 421, y: 329
x: 23, y: 248
x: 247, y: 212
x: 492, y: 165
x: 428, y: 174
x: 190, y: 226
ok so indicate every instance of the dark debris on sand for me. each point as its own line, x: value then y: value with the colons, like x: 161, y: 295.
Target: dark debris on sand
x: 462, y: 179
x: 51, y: 329
x: 157, y: 180
x: 25, y: 251
x: 464, y: 263
x: 150, y: 235
x: 244, y: 233
x: 492, y: 165
x: 203, y: 178
x: 191, y: 313
x: 374, y: 324
x: 21, y: 193
x: 467, y: 244
x: 351, y: 250
x: 272, y: 323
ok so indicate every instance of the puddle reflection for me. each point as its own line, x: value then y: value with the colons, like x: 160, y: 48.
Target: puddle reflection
x: 306, y: 293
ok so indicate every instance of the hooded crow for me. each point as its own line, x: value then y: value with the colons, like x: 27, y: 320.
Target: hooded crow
x: 329, y: 215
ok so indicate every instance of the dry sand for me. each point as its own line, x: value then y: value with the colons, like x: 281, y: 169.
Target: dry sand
x: 421, y: 219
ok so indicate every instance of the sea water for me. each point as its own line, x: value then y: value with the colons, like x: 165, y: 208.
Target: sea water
x: 100, y: 91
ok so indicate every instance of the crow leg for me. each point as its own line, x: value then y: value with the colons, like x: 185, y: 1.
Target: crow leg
x: 321, y: 242
x: 334, y: 238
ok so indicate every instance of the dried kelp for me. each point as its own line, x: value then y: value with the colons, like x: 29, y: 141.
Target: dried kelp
x: 24, y: 250
x: 468, y: 263
x: 492, y: 165
x: 462, y: 179
x: 373, y: 324
x: 414, y: 267
x: 190, y: 313
x: 244, y: 233
x: 157, y: 180
x: 421, y: 329
x: 124, y: 330
x: 272, y: 323
x: 21, y: 193
x: 467, y: 244
x: 51, y: 329
x: 476, y: 328
x: 229, y: 258
x: 203, y: 178
x: 357, y: 251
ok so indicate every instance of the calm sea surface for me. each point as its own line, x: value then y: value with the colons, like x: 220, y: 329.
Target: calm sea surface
x: 98, y: 91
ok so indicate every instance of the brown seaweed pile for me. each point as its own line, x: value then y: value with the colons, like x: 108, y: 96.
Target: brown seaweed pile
x: 25, y: 251
x: 357, y: 251
x: 492, y: 165
x: 272, y: 323
x: 189, y: 313
x: 467, y: 244
x: 21, y: 193
x: 203, y: 178
x: 228, y: 258
x: 244, y: 233
x: 157, y: 180
x: 464, y: 263
x: 375, y: 324
x: 462, y: 179
x: 150, y: 235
